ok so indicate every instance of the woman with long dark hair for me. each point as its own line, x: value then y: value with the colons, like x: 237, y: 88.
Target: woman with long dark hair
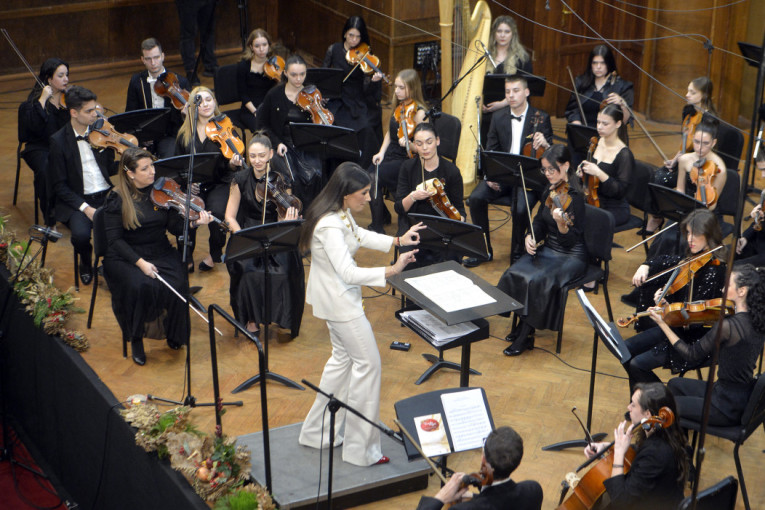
x: 334, y: 291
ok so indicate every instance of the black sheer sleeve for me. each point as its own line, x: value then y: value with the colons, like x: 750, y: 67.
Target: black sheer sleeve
x: 618, y: 184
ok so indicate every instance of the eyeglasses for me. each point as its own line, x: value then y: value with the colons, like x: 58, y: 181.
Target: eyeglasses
x: 547, y: 170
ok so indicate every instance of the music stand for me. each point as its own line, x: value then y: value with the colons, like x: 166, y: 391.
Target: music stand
x: 444, y: 234
x: 671, y: 203
x: 264, y: 241
x: 609, y: 335
x: 328, y: 80
x: 579, y: 136
x: 494, y: 86
x: 178, y: 167
x: 328, y: 141
x: 751, y: 52
x: 146, y: 125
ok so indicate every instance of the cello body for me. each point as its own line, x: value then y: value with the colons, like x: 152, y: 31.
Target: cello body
x: 590, y: 488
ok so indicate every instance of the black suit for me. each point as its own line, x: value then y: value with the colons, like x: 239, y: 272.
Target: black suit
x: 525, y: 495
x: 500, y: 139
x: 65, y: 167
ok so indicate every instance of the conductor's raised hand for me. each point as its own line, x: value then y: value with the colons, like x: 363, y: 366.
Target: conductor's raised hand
x: 412, y: 235
x: 404, y: 259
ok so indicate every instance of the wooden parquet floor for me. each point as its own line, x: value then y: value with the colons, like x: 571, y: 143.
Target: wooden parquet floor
x: 534, y: 392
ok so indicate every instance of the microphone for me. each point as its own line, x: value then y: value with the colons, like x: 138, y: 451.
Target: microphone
x: 197, y: 99
x: 51, y: 234
x: 487, y: 53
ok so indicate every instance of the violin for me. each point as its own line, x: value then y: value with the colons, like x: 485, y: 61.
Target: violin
x: 479, y: 479
x: 274, y: 67
x: 361, y: 56
x: 758, y: 217
x: 439, y: 200
x: 404, y: 115
x: 677, y: 315
x: 689, y: 128
x: 167, y: 85
x: 276, y: 191
x: 528, y: 148
x: 560, y: 199
x: 220, y: 130
x: 103, y: 135
x: 703, y: 174
x: 166, y: 193
x: 590, y: 182
x: 309, y: 100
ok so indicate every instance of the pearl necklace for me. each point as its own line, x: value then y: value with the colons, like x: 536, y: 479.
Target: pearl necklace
x: 348, y: 224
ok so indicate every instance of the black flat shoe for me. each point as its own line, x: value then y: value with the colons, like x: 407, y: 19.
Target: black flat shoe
x: 589, y: 289
x: 520, y: 345
x: 203, y: 267
x: 136, y: 347
x: 174, y: 346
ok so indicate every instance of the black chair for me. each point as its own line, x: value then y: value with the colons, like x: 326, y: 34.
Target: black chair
x: 100, y: 244
x: 720, y: 496
x: 730, y: 144
x: 598, y: 237
x: 639, y: 198
x: 226, y: 93
x: 19, y: 149
x: 728, y: 199
x: 753, y: 417
x: 449, y: 129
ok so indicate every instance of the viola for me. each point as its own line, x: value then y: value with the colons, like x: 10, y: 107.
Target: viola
x: 361, y: 56
x: 103, y: 135
x: 274, y: 67
x: 528, y: 148
x: 404, y: 115
x: 166, y: 193
x: 276, y: 191
x: 439, y: 200
x: 759, y: 216
x: 560, y: 199
x: 703, y: 174
x: 167, y: 85
x: 682, y: 314
x: 220, y: 130
x: 309, y: 100
x: 689, y: 128
x: 590, y: 182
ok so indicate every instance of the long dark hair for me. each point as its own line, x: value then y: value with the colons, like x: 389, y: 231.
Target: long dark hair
x: 359, y: 24
x: 654, y: 396
x: 346, y: 179
x: 746, y: 275
x: 601, y: 50
x: 704, y: 221
x: 47, y: 70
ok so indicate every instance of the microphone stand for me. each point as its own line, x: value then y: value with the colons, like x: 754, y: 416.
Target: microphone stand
x: 435, y: 110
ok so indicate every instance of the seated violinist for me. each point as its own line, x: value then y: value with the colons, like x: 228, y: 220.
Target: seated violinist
x: 692, y: 179
x: 502, y: 453
x: 750, y: 247
x: 659, y: 462
x: 701, y: 279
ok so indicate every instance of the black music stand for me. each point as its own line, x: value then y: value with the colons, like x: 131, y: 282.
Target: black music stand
x: 494, y: 86
x: 264, y: 241
x: 328, y: 141
x: 751, y: 52
x: 671, y: 203
x: 609, y: 335
x: 328, y: 80
x: 178, y: 167
x: 579, y: 136
x: 453, y: 236
x: 146, y: 125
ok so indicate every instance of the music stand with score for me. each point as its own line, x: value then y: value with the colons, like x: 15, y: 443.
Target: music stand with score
x: 671, y: 203
x: 146, y: 125
x: 327, y: 141
x: 177, y: 167
x: 494, y: 86
x: 329, y: 81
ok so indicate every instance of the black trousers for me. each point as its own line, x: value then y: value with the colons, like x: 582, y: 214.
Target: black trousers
x: 197, y: 16
x: 80, y: 226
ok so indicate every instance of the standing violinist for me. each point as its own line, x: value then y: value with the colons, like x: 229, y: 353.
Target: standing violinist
x: 511, y: 128
x: 651, y: 349
x: 41, y: 115
x: 536, y: 277
x: 278, y: 110
x: 659, y: 468
x: 408, y: 112
x: 714, y: 173
x: 138, y: 250
x: 215, y: 193
x: 286, y: 277
x: 141, y: 94
x: 252, y: 82
x: 358, y: 107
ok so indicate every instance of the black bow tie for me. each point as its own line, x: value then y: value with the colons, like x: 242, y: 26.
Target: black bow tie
x: 513, y: 117
x: 83, y: 138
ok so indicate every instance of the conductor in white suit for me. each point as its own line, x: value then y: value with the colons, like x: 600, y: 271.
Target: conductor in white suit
x: 353, y: 371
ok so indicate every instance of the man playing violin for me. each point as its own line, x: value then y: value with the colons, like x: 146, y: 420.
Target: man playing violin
x: 511, y: 127
x: 80, y: 174
x: 502, y: 453
x: 659, y: 468
x: 142, y: 96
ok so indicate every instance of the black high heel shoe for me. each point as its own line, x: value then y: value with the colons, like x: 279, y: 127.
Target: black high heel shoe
x: 136, y: 347
x: 203, y: 267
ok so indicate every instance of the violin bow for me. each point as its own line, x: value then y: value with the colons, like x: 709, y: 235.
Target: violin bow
x: 417, y: 447
x: 576, y: 95
x: 651, y: 236
x: 683, y: 263
x: 172, y: 289
x: 357, y: 65
x: 650, y: 138
x: 21, y: 56
x: 265, y: 194
x: 528, y: 209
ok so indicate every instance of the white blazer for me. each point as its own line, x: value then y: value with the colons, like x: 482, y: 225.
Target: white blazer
x: 334, y: 280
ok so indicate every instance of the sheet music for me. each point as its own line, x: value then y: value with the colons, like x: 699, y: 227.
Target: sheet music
x: 434, y: 329
x: 602, y: 326
x: 450, y: 290
x: 467, y: 418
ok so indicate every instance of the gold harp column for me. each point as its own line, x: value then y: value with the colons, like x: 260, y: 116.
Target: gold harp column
x: 446, y: 14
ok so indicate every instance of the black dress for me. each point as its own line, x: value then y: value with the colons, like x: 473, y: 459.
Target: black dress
x: 535, y: 281
x: 285, y: 270
x: 251, y: 87
x: 144, y: 307
x: 613, y: 192
x: 592, y: 97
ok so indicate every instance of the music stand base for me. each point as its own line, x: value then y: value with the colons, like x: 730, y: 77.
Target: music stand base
x: 574, y: 443
x: 438, y: 364
x: 255, y: 379
x: 190, y: 401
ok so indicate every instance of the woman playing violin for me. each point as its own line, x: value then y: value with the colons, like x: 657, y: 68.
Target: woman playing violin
x: 741, y: 339
x: 408, y: 103
x: 279, y: 108
x: 659, y: 469
x: 138, y: 250
x: 215, y: 194
x: 750, y: 247
x: 252, y: 83
x: 502, y: 454
x: 536, y: 277
x: 358, y: 107
x: 714, y: 174
x: 286, y: 276
x: 651, y: 349
x: 41, y: 115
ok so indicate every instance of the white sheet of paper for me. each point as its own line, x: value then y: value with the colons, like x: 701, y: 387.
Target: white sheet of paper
x: 432, y: 438
x: 467, y: 418
x: 450, y: 290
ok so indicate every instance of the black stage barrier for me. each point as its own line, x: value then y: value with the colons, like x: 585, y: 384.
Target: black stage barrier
x: 62, y: 407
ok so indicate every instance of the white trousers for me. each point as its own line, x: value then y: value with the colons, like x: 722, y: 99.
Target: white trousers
x: 352, y: 375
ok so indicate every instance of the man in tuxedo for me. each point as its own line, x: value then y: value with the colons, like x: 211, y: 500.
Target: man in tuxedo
x: 80, y: 174
x: 511, y: 128
x: 502, y: 453
x: 141, y: 94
